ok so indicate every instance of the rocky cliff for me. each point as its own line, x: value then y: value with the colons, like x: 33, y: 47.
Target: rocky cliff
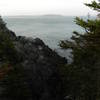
x: 41, y: 70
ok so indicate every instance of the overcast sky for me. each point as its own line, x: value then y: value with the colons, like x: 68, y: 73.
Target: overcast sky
x: 42, y: 7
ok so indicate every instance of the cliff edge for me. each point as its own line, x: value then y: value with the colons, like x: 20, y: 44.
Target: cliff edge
x: 40, y: 65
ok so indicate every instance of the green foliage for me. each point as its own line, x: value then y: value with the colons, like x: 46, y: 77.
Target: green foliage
x: 2, y: 25
x: 90, y: 26
x: 94, y: 5
x: 15, y: 84
x: 6, y: 47
x: 81, y: 77
x: 12, y: 76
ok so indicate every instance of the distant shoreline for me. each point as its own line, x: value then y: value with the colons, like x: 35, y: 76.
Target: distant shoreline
x: 44, y: 16
x: 51, y: 15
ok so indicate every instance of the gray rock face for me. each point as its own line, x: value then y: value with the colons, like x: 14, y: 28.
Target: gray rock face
x: 40, y: 66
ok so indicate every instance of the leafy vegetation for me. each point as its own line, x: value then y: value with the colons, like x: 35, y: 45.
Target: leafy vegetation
x: 81, y: 77
x: 12, y: 76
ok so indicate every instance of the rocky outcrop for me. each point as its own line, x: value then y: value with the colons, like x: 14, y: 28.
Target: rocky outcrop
x: 40, y: 65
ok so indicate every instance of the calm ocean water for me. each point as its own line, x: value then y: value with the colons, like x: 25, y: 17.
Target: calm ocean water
x: 51, y: 29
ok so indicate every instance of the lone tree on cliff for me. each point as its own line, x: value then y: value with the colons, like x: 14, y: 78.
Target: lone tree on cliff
x: 82, y: 76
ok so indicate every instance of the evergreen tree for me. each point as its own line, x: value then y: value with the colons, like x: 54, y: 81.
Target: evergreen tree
x: 82, y: 76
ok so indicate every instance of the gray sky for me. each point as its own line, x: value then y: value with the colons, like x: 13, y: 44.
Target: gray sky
x: 41, y: 7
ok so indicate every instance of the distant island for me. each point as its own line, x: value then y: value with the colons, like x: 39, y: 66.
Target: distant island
x: 54, y: 15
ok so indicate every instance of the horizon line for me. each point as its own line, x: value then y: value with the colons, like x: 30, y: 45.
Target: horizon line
x: 43, y: 15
